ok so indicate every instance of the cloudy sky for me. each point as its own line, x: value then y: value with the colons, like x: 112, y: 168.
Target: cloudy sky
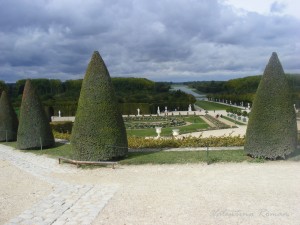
x: 163, y: 40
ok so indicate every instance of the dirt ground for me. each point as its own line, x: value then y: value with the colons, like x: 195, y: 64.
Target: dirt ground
x: 231, y: 193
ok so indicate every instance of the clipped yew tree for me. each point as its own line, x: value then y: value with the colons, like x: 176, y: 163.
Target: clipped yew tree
x: 8, y: 119
x: 272, y: 127
x: 34, y: 129
x: 99, y: 131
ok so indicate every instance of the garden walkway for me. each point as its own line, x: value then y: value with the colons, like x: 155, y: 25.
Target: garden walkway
x: 221, y: 194
x: 67, y: 203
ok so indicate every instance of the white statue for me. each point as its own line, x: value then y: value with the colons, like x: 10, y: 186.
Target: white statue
x: 295, y: 108
x: 59, y: 113
x: 158, y: 110
x: 138, y: 111
x: 190, y: 108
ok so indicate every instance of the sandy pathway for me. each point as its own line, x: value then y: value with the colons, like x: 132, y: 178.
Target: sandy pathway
x: 18, y: 191
x: 242, y: 193
x: 199, y: 194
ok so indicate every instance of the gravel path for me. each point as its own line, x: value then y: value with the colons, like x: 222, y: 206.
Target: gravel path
x: 233, y: 193
x: 64, y: 203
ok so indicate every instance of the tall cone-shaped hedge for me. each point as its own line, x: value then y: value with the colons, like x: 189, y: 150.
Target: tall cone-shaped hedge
x: 272, y: 127
x: 8, y: 119
x: 99, y: 131
x: 34, y: 129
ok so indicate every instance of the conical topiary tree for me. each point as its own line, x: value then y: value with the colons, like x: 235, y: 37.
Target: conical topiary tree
x: 99, y: 131
x: 34, y: 129
x: 272, y: 127
x: 8, y: 119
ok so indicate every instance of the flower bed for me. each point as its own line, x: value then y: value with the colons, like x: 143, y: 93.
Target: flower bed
x: 216, y: 122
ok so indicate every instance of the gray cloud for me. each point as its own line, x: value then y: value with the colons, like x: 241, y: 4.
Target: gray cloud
x: 162, y: 40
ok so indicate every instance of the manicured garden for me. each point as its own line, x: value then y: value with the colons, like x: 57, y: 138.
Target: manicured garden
x: 100, y: 132
x: 145, y: 126
x: 185, y: 124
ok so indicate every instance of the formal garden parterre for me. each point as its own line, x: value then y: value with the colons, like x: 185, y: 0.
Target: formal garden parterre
x: 100, y: 132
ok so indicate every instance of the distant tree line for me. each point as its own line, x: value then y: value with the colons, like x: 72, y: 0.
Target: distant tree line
x: 132, y: 93
x: 241, y: 89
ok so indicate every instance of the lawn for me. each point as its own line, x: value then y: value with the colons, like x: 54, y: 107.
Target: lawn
x: 164, y: 157
x: 160, y: 157
x: 206, y: 105
x: 59, y: 150
x: 183, y: 157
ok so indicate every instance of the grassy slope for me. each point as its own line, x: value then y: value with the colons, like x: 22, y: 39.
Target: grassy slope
x: 212, y: 105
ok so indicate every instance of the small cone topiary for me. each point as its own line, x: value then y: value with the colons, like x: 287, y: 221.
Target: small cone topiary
x: 272, y: 127
x: 34, y: 129
x: 99, y: 132
x: 8, y: 119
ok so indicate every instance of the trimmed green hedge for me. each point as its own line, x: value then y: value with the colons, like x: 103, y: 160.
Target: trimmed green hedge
x: 8, y: 119
x: 34, y: 130
x: 272, y: 127
x: 62, y: 127
x: 99, y: 131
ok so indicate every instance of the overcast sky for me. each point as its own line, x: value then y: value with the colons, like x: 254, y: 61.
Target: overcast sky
x: 163, y: 40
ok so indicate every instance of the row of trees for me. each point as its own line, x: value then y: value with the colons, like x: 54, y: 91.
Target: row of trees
x: 242, y: 89
x: 127, y: 89
x: 234, y: 86
x: 64, y: 96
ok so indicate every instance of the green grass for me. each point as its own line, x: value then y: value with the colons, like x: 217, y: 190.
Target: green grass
x: 59, y: 150
x: 164, y: 157
x: 233, y: 120
x: 183, y: 157
x: 212, y: 105
x: 161, y: 157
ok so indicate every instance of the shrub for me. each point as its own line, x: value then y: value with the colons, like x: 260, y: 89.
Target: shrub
x: 34, y: 130
x: 272, y: 127
x: 8, y: 119
x: 65, y: 136
x: 99, y: 131
x: 62, y: 127
x: 139, y: 142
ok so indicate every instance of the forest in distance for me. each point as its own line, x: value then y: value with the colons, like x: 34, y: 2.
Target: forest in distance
x: 142, y: 93
x: 132, y: 93
x: 241, y: 89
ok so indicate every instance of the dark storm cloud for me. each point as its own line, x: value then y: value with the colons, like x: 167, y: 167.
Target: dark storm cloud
x: 161, y: 40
